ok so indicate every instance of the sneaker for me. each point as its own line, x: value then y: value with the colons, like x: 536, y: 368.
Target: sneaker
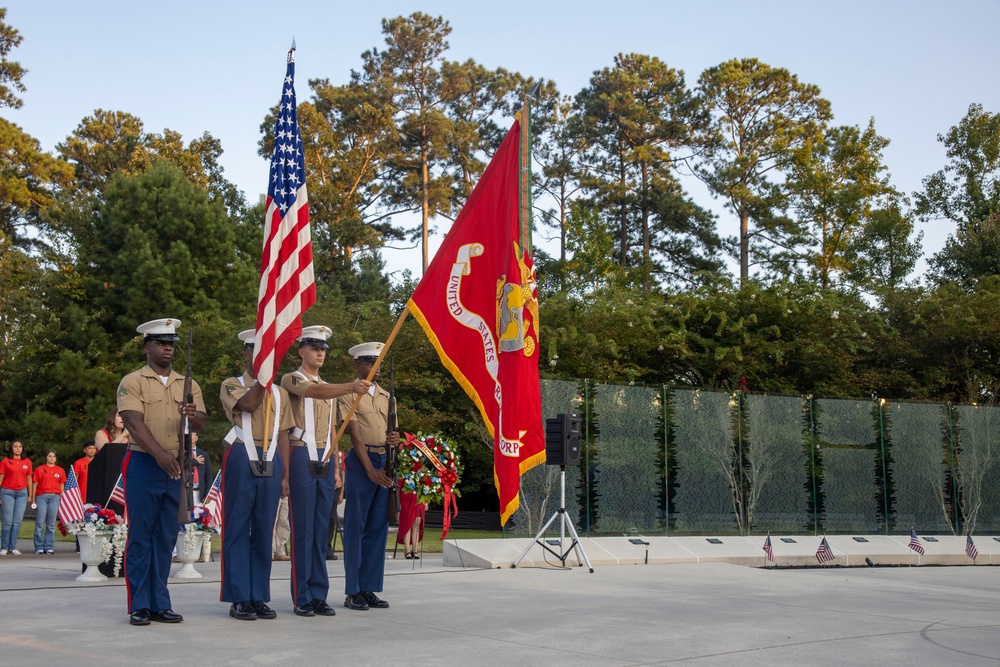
x: 50, y: 552
x: 3, y: 552
x: 15, y: 552
x: 39, y: 552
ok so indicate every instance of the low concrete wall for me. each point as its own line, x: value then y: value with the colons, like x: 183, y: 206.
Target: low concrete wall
x: 789, y: 551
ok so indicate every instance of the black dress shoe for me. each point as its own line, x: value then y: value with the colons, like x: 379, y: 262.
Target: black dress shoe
x: 322, y: 608
x: 263, y: 611
x: 243, y: 611
x: 303, y: 610
x: 139, y: 617
x: 374, y: 600
x: 165, y: 616
x: 356, y: 602
x: 331, y: 556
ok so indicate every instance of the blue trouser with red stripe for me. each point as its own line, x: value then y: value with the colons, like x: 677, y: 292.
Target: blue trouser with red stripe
x: 366, y: 525
x: 309, y: 505
x: 151, y: 499
x: 249, y: 505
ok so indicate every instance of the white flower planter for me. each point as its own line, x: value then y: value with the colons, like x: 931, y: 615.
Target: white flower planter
x: 90, y: 554
x: 188, y: 551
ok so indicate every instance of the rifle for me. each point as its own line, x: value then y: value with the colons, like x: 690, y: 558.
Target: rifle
x: 184, y: 451
x: 392, y: 510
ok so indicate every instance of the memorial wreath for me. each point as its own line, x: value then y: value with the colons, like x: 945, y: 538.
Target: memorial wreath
x: 428, y: 466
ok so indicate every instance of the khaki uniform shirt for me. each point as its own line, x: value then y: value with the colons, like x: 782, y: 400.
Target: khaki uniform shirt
x: 144, y: 392
x: 232, y: 391
x: 297, y: 385
x: 372, y: 414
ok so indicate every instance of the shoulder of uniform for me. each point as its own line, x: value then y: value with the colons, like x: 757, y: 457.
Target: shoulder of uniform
x: 383, y: 391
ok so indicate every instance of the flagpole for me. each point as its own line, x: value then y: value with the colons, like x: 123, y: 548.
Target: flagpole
x: 265, y: 441
x: 525, y: 166
x: 371, y: 374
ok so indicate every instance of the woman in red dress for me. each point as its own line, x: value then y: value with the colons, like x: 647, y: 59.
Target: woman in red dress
x: 411, y: 521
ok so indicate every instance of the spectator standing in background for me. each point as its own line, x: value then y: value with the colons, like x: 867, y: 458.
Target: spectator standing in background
x: 81, y: 465
x: 47, y: 485
x: 15, y: 478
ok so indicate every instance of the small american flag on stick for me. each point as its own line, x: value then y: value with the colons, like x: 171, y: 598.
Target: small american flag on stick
x: 118, y: 494
x: 915, y: 542
x: 215, y: 495
x: 768, y: 549
x: 824, y: 553
x: 970, y: 547
x: 70, y: 505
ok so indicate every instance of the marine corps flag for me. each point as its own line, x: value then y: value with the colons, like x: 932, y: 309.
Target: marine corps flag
x: 478, y: 304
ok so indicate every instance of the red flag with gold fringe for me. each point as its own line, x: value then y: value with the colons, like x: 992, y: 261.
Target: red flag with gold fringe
x: 478, y: 304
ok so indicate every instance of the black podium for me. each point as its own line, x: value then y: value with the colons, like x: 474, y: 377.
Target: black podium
x: 102, y: 475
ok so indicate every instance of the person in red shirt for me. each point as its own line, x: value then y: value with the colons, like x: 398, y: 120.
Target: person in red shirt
x: 81, y: 465
x: 47, y: 486
x: 15, y: 475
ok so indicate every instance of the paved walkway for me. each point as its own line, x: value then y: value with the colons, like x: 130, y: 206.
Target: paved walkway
x: 695, y: 613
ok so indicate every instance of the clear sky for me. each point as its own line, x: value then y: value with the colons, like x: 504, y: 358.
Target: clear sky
x: 217, y: 66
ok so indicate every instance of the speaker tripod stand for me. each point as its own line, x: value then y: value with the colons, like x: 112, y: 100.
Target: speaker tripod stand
x: 564, y: 525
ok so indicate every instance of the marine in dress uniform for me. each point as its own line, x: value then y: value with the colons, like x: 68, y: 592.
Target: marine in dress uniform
x: 366, y: 487
x: 151, y: 404
x: 311, y: 498
x: 250, y: 500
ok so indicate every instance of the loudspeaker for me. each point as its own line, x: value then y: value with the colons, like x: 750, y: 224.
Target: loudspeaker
x: 562, y: 440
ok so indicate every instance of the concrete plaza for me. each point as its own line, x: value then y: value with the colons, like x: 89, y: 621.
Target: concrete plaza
x: 704, y: 613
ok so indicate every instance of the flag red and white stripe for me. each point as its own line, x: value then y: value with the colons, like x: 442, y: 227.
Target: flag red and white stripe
x: 70, y: 505
x: 970, y: 548
x: 215, y: 496
x: 118, y: 494
x: 287, y: 287
x: 915, y: 542
x: 824, y: 553
x: 768, y: 549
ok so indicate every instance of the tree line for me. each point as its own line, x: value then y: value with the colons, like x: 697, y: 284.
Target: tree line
x: 121, y: 224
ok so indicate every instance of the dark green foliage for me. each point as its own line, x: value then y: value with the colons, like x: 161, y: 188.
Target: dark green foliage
x: 124, y: 225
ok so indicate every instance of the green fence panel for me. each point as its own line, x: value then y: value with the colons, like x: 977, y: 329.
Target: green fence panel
x: 920, y: 452
x: 776, y: 464
x: 540, y: 485
x: 703, y: 441
x: 977, y: 429
x: 624, y: 455
x: 847, y: 441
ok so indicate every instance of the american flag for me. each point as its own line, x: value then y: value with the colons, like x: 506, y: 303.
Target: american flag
x: 70, y: 505
x: 118, y: 494
x: 215, y: 495
x: 768, y: 549
x: 824, y: 553
x: 287, y: 288
x: 915, y: 542
x: 970, y: 548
